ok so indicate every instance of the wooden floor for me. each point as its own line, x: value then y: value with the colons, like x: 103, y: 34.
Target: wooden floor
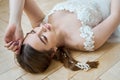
x: 108, y: 56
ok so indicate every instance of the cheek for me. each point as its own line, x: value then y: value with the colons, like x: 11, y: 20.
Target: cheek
x: 52, y: 38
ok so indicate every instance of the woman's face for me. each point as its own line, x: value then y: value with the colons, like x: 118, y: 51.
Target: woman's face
x: 42, y: 38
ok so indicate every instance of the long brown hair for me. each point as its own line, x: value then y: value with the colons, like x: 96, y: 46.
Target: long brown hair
x: 64, y: 56
x: 34, y: 61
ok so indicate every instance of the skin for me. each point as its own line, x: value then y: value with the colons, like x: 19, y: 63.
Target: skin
x: 64, y: 32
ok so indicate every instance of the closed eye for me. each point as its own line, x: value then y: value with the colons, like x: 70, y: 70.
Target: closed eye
x: 43, y: 39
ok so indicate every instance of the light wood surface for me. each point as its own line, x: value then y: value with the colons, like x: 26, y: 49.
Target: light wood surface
x: 108, y: 56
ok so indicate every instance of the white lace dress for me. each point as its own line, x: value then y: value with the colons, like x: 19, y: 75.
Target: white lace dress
x: 89, y: 12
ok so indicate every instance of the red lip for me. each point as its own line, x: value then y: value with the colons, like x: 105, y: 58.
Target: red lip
x: 48, y: 27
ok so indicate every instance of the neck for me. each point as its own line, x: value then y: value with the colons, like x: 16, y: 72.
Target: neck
x: 60, y: 35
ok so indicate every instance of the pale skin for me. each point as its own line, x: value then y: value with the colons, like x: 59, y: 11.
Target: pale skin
x: 61, y: 29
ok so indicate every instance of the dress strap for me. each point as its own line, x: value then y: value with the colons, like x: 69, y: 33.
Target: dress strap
x: 88, y: 35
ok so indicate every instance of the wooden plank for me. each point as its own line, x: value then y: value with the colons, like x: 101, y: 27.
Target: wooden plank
x: 19, y: 78
x: 48, y: 5
x: 112, y: 74
x: 3, y: 26
x: 7, y: 60
x: 54, y: 67
x: 106, y: 61
x: 4, y: 14
x: 12, y: 74
x: 61, y: 74
x: 46, y: 78
x: 90, y: 56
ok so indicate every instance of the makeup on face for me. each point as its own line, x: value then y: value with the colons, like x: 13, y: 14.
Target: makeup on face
x: 42, y: 38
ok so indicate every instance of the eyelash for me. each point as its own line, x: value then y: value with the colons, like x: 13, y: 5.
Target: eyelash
x: 44, y: 37
x: 40, y: 36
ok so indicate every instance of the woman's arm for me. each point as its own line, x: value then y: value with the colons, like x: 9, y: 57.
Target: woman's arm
x: 31, y: 9
x: 14, y: 33
x: 103, y: 31
x: 34, y: 13
x: 16, y: 9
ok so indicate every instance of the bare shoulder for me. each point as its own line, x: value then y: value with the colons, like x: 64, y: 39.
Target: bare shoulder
x: 75, y: 42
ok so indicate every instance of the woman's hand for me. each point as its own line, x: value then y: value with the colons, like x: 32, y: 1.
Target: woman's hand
x: 13, y: 38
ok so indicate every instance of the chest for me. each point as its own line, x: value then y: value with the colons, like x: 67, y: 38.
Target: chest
x: 65, y: 21
x: 68, y: 23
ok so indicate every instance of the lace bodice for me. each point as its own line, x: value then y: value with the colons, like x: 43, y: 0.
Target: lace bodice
x: 87, y: 11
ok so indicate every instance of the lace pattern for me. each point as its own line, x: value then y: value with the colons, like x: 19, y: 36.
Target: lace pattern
x: 87, y: 34
x: 83, y: 66
x: 87, y: 12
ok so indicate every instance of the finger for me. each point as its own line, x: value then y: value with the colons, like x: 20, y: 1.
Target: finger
x: 18, y: 48
x: 15, y: 49
x: 20, y: 43
x: 8, y: 44
x: 13, y: 45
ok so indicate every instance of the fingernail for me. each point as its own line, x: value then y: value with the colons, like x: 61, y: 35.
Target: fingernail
x: 16, y: 43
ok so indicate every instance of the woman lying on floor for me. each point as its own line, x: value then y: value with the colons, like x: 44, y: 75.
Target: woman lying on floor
x: 83, y: 25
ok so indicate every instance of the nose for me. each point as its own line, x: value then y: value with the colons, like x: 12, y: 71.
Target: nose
x: 43, y: 28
